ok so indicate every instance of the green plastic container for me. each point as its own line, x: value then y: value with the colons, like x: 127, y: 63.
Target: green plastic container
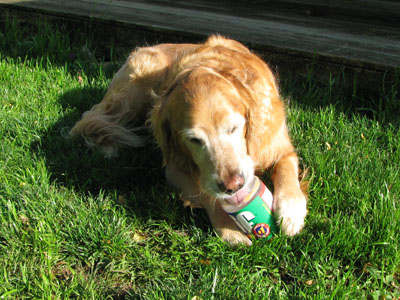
x: 255, y: 215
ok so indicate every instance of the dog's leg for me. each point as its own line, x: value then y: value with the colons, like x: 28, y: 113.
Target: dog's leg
x: 112, y: 123
x: 185, y: 183
x: 289, y: 200
x: 224, y: 226
x: 191, y: 196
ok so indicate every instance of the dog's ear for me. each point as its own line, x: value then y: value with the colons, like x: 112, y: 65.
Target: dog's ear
x: 160, y: 126
x: 160, y: 123
x: 266, y: 131
x: 173, y: 150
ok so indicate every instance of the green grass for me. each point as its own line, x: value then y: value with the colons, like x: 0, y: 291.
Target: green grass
x: 74, y: 225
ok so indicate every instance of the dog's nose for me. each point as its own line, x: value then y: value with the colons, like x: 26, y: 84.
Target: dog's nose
x: 232, y: 184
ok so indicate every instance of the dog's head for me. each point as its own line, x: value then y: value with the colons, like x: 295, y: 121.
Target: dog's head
x: 212, y: 125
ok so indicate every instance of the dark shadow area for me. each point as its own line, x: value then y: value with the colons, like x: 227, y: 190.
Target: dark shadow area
x: 74, y: 164
x: 136, y: 174
x: 78, y: 44
x: 354, y: 94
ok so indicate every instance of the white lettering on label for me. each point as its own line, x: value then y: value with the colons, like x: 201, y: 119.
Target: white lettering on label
x: 244, y: 220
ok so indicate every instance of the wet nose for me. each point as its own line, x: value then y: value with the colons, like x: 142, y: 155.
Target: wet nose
x: 232, y: 184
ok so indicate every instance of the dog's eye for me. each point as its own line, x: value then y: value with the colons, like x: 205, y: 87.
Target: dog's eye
x: 196, y: 141
x: 232, y: 130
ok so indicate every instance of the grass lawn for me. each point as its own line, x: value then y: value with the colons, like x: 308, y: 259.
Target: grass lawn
x: 76, y: 225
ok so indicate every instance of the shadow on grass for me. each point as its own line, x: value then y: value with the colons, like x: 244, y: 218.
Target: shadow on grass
x: 135, y: 177
x: 348, y: 92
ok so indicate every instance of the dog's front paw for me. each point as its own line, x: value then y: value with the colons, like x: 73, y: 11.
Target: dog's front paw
x: 233, y: 236
x: 291, y: 211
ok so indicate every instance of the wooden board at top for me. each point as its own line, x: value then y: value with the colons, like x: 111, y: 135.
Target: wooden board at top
x: 343, y: 40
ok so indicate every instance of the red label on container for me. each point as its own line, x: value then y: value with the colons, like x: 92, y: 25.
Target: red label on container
x: 261, y: 230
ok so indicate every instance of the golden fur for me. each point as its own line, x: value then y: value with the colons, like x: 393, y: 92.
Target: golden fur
x: 216, y: 114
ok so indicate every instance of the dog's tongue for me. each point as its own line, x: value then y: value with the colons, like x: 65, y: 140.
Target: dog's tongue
x: 239, y: 196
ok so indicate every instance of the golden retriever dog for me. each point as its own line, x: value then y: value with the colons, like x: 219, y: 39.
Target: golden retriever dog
x: 215, y: 112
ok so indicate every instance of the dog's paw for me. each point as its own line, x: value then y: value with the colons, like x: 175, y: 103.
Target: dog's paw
x: 291, y: 212
x: 234, y: 237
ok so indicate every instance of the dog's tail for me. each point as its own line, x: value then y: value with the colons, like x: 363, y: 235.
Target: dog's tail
x: 99, y: 130
x: 113, y: 123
